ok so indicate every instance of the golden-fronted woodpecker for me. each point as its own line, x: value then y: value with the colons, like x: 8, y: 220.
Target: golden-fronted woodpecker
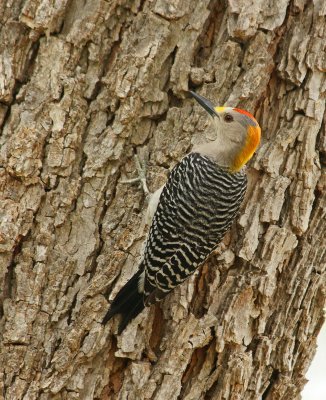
x: 195, y: 208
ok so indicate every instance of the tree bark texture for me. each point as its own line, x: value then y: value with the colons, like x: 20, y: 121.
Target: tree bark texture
x: 84, y: 85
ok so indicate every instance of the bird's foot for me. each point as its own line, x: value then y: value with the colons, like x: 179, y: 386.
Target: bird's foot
x: 141, y: 169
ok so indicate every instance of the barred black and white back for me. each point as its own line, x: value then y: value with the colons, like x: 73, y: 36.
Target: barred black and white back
x: 197, y: 206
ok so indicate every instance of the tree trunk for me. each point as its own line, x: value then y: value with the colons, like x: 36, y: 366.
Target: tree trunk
x: 83, y: 86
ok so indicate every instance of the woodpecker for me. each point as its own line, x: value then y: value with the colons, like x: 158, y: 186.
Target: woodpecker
x: 195, y: 208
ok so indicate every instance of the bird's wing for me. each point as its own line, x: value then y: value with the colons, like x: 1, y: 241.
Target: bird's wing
x: 196, y: 207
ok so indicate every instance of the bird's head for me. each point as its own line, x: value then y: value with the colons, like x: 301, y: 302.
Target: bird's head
x: 238, y: 134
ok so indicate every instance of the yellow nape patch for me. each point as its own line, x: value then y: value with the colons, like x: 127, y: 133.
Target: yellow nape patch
x: 220, y: 109
x: 252, y: 142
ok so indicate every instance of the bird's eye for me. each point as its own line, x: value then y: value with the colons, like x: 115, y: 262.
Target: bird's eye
x: 228, y: 118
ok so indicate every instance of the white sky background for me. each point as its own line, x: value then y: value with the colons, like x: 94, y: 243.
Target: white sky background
x: 315, y: 389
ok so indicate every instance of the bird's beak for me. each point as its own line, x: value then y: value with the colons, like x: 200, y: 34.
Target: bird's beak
x: 206, y: 104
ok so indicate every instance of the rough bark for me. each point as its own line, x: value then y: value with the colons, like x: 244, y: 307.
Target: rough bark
x: 83, y: 86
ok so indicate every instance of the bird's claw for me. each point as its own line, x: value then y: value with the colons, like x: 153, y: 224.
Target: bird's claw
x: 141, y: 169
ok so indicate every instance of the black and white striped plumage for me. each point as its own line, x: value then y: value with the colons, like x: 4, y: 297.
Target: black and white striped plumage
x: 197, y: 206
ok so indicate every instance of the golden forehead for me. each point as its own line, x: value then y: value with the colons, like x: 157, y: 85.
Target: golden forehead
x: 220, y: 109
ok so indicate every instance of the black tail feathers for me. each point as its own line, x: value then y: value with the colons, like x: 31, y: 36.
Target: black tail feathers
x: 128, y: 302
